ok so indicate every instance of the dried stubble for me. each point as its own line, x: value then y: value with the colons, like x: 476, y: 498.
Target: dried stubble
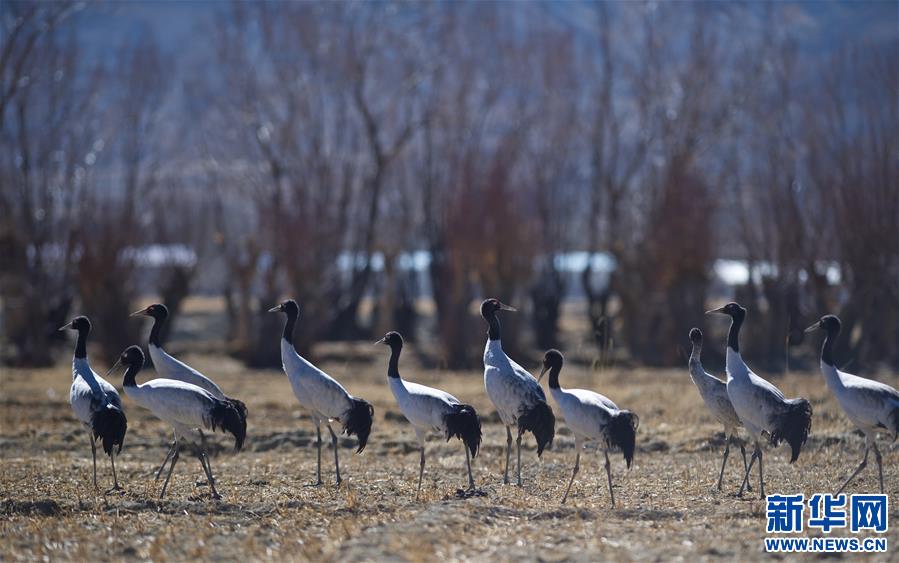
x: 668, y: 506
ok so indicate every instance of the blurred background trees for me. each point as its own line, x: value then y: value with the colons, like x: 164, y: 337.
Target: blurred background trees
x: 389, y: 165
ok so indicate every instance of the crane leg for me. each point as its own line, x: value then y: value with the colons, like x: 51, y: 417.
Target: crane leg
x: 94, y: 454
x: 468, y: 464
x: 755, y: 454
x: 115, y: 477
x: 861, y: 466
x: 318, y: 448
x: 421, y: 436
x: 761, y: 476
x: 421, y: 470
x: 204, y: 462
x: 879, y: 464
x: 207, y: 469
x: 169, y: 476
x: 508, y: 453
x: 518, y: 444
x: 609, y: 476
x: 168, y: 457
x: 577, y: 466
x: 745, y: 465
x: 724, y: 462
x: 336, y: 461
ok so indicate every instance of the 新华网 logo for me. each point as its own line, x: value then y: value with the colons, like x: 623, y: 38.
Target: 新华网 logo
x: 863, y: 513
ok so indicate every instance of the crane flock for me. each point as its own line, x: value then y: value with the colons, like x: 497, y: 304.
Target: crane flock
x: 190, y: 402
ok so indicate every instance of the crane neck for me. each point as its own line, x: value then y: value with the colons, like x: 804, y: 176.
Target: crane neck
x: 393, y: 366
x: 155, y: 340
x: 493, y: 323
x: 81, y: 343
x: 290, y: 325
x: 733, y: 335
x: 130, y: 373
x: 696, y: 352
x: 827, y: 347
x: 554, y: 372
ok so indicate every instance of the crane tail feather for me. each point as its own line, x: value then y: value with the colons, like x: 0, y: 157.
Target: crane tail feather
x: 109, y: 425
x: 463, y: 423
x: 621, y: 432
x: 239, y: 405
x: 539, y: 420
x: 229, y: 418
x: 793, y: 425
x: 358, y: 420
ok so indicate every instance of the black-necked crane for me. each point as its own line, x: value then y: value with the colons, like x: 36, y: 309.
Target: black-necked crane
x: 591, y: 417
x: 761, y: 407
x: 871, y: 406
x: 516, y: 394
x: 96, y: 403
x: 321, y: 394
x: 169, y: 367
x: 714, y: 394
x: 186, y: 407
x: 432, y: 410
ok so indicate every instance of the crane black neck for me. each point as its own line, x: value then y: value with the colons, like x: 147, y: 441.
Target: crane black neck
x: 393, y: 367
x: 493, y: 322
x: 554, y: 372
x: 130, y: 373
x: 290, y: 325
x: 733, y: 335
x: 158, y: 322
x: 81, y: 343
x: 827, y: 348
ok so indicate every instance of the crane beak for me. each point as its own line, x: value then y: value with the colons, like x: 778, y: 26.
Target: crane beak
x: 115, y: 365
x: 66, y: 326
x: 719, y: 310
x: 138, y: 313
x: 542, y: 373
x: 379, y: 342
x: 504, y: 307
x: 275, y: 309
x: 815, y: 326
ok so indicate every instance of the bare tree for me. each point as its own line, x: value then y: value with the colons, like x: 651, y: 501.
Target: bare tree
x: 109, y: 233
x: 47, y: 155
x: 852, y: 134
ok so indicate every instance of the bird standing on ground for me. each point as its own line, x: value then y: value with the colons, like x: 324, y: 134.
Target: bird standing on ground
x: 870, y: 405
x: 186, y: 407
x: 515, y: 393
x: 760, y: 405
x: 432, y: 410
x: 591, y: 416
x: 322, y: 395
x: 96, y: 403
x: 714, y: 394
x: 171, y: 368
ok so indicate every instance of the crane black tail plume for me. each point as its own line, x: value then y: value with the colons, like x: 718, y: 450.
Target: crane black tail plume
x: 358, y: 421
x: 540, y: 421
x: 793, y: 425
x: 109, y: 425
x: 239, y: 405
x: 227, y: 417
x: 463, y: 423
x: 621, y: 432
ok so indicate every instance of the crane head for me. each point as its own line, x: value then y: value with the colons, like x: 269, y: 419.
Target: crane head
x: 157, y: 310
x: 80, y: 323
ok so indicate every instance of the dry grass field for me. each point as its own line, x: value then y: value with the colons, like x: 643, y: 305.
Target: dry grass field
x: 668, y: 507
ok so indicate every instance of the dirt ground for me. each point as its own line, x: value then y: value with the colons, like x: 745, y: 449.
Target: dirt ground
x: 668, y: 507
